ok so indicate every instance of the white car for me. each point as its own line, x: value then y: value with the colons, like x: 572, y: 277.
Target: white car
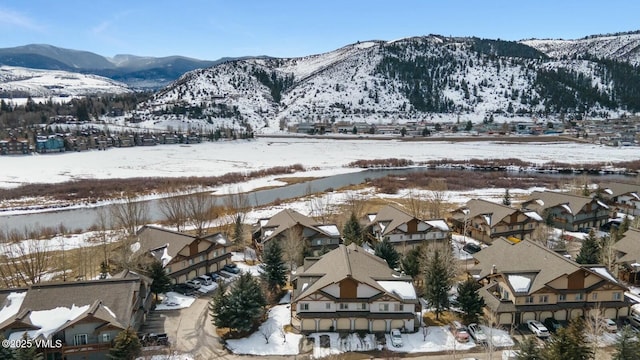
x: 477, y: 334
x: 610, y: 325
x: 396, y: 338
x: 538, y: 328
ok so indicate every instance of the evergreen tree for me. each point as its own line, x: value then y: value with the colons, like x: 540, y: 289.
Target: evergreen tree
x: 590, y: 251
x: 219, y: 306
x: 244, y: 306
x: 468, y: 126
x: 529, y: 350
x: 352, y: 231
x: 126, y: 346
x: 104, y: 270
x: 386, y: 251
x: 27, y: 353
x: 438, y: 281
x: 506, y: 200
x: 5, y: 352
x: 627, y: 345
x: 569, y: 343
x: 238, y: 230
x: 274, y: 270
x: 411, y: 262
x: 469, y: 301
x: 161, y: 283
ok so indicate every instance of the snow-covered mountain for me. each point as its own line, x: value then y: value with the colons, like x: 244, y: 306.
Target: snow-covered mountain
x: 622, y: 47
x: 45, y: 83
x: 432, y: 78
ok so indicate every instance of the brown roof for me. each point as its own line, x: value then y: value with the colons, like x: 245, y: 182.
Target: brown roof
x: 153, y: 238
x: 492, y: 212
x: 287, y: 219
x: 350, y: 261
x: 613, y: 189
x: 552, y: 199
x: 393, y: 217
x: 630, y: 246
x: 117, y: 294
x: 526, y: 259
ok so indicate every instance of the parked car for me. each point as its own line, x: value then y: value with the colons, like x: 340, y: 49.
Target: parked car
x: 232, y: 268
x: 204, y: 280
x: 194, y: 284
x: 471, y: 248
x: 510, y: 354
x: 476, y: 333
x: 552, y: 324
x: 214, y: 276
x: 609, y: 325
x: 459, y: 331
x: 183, y: 289
x: 396, y: 338
x: 538, y: 328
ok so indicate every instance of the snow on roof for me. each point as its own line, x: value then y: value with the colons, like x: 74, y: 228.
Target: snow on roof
x: 540, y: 202
x: 566, y: 207
x: 166, y: 258
x: 329, y: 229
x: 268, y: 233
x: 519, y: 283
x: 404, y: 289
x: 438, y: 224
x: 382, y: 227
x: 263, y: 222
x: 534, y: 215
x: 608, y: 191
x: 135, y: 246
x: 109, y: 311
x: 49, y: 321
x: 14, y: 301
x: 371, y: 217
x: 487, y: 219
x: 602, y: 204
x: 602, y: 271
x: 635, y: 195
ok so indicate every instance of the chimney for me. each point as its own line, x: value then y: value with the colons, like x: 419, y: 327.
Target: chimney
x: 493, y: 269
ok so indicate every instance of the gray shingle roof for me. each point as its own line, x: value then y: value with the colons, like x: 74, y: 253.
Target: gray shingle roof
x: 479, y: 207
x: 287, y: 219
x: 552, y: 199
x: 630, y: 246
x: 152, y: 238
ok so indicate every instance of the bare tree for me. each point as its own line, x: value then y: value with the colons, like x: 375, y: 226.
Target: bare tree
x: 437, y: 196
x: 355, y: 203
x: 541, y: 234
x: 129, y: 215
x: 594, y: 327
x: 416, y: 204
x: 102, y: 224
x: 292, y: 246
x: 237, y: 203
x: 199, y: 211
x: 174, y: 210
x: 24, y: 262
x: 607, y: 251
x: 320, y: 207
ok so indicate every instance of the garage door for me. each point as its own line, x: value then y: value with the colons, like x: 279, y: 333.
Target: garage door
x: 362, y: 324
x: 397, y: 324
x: 379, y: 326
x: 308, y: 325
x: 325, y: 325
x: 545, y: 314
x: 528, y: 316
x: 344, y: 324
x: 505, y: 319
x: 610, y: 313
x: 561, y: 315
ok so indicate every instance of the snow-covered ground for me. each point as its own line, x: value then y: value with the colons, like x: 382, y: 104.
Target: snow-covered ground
x: 167, y: 357
x: 323, y: 156
x: 173, y: 301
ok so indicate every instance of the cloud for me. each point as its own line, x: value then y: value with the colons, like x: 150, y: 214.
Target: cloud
x: 10, y: 17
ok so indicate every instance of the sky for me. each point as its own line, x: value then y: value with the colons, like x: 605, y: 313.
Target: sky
x: 211, y: 29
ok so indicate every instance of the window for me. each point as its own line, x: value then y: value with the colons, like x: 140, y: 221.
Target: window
x: 617, y: 296
x: 363, y: 306
x: 168, y: 269
x: 80, y: 339
x: 215, y: 253
x: 562, y: 297
x: 579, y: 296
x: 384, y: 307
x: 190, y: 261
x: 594, y: 296
x: 528, y: 300
x: 106, y: 337
x: 344, y: 306
x: 304, y: 306
x: 398, y: 307
x: 201, y: 258
x: 327, y: 306
x: 544, y: 299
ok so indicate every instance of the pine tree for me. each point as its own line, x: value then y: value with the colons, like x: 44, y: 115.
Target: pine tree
x: 161, y: 283
x: 126, y: 346
x: 104, y: 270
x: 506, y: 200
x: 569, y: 343
x: 590, y: 250
x: 274, y: 270
x: 5, y: 352
x: 529, y: 350
x: 238, y: 230
x: 469, y: 301
x: 27, y: 353
x: 352, y: 231
x: 219, y: 306
x: 389, y: 253
x: 627, y: 345
x: 438, y: 281
x: 245, y: 304
x: 411, y: 262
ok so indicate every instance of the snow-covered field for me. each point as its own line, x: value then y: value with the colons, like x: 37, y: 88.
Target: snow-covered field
x: 325, y: 156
